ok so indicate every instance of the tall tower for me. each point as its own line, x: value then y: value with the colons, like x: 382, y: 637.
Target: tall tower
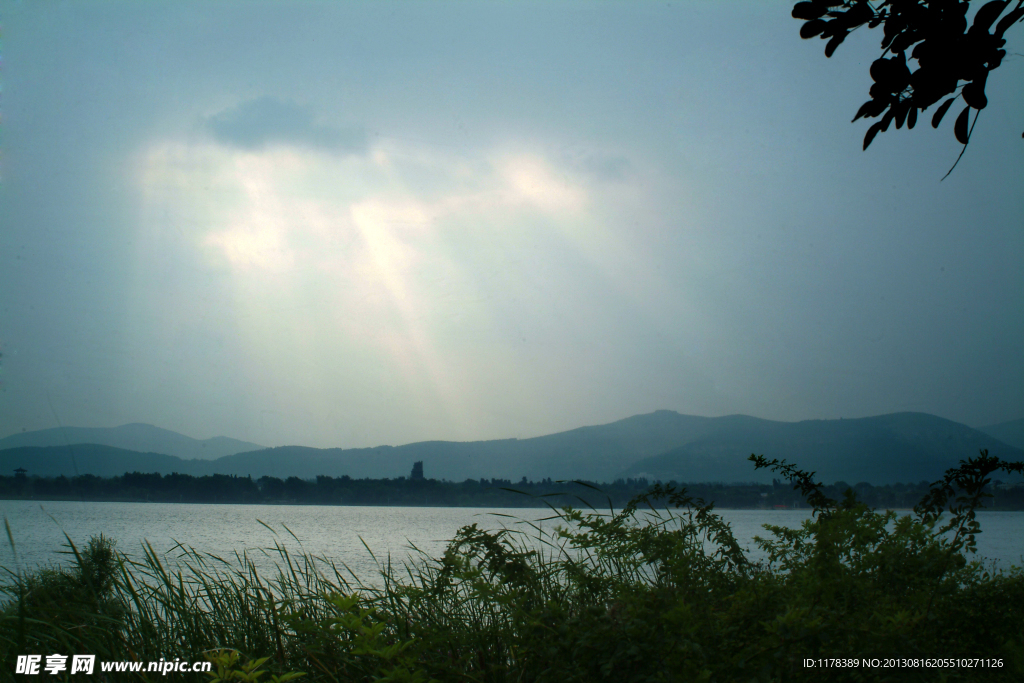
x: 417, y: 471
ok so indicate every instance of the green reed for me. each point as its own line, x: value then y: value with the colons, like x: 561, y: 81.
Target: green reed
x: 643, y: 594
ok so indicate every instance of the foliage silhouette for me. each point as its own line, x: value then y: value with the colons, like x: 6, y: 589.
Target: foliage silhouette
x: 935, y: 34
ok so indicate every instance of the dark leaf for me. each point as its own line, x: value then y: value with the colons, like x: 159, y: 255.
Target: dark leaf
x: 927, y: 87
x: 878, y: 91
x: 956, y: 26
x: 809, y: 10
x: 872, y: 132
x: 987, y: 14
x: 912, y: 117
x: 960, y: 127
x: 870, y: 109
x: 858, y: 14
x: 974, y: 95
x: 878, y: 69
x: 1005, y: 22
x: 835, y: 41
x: 812, y: 28
x: 903, y: 41
x: 864, y: 108
x: 899, y: 75
x: 940, y: 112
x: 901, y: 115
x: 887, y: 119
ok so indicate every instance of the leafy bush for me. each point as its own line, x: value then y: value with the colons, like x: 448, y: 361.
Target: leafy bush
x: 59, y: 609
x: 644, y: 594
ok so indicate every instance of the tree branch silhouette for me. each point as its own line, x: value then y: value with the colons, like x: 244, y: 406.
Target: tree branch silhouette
x: 954, y: 58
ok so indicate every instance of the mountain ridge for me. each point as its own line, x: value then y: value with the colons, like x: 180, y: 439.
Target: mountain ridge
x: 898, y: 447
x: 134, y: 436
x: 661, y: 445
x: 1010, y: 432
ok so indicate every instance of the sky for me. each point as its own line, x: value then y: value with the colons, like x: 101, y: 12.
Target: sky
x: 365, y: 223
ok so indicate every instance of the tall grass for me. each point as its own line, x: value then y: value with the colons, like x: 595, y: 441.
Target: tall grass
x: 644, y: 594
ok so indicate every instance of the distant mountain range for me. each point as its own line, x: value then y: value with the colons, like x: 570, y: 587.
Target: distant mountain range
x: 1011, y: 433
x: 902, y: 447
x: 134, y: 437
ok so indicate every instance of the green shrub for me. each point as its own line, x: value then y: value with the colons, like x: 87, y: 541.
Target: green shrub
x: 645, y: 594
x: 64, y: 609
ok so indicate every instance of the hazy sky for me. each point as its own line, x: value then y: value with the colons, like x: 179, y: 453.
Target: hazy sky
x: 363, y: 223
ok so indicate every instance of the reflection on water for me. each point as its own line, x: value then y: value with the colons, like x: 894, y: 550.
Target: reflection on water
x: 338, y: 532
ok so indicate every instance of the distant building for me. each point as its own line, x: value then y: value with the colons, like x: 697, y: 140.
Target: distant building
x: 20, y: 473
x: 417, y: 471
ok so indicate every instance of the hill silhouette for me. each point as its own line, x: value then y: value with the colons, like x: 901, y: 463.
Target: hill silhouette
x: 133, y: 437
x: 902, y: 447
x: 1010, y: 433
x: 596, y: 453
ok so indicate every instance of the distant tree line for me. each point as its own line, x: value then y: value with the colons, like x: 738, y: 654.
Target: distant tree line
x: 324, y: 490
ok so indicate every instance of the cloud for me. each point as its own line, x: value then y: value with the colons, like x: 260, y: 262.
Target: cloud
x: 266, y: 121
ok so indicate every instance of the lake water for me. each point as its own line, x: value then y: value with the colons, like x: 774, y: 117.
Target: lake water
x: 338, y: 532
